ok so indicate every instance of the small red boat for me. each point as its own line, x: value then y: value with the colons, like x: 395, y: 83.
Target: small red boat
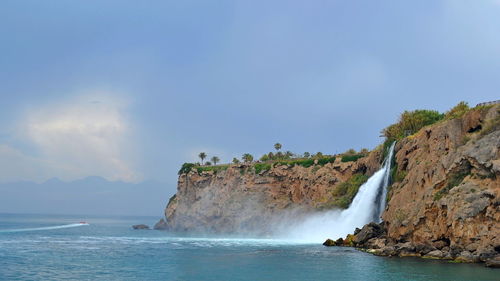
x: 84, y: 222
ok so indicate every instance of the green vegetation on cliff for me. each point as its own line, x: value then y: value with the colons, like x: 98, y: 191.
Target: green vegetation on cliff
x: 411, y: 122
x: 344, y: 192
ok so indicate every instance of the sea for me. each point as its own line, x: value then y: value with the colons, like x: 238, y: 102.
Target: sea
x: 56, y: 247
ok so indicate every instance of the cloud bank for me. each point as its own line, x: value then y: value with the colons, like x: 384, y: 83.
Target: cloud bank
x: 86, y: 136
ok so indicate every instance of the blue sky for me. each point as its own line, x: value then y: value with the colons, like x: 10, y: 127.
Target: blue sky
x: 129, y: 91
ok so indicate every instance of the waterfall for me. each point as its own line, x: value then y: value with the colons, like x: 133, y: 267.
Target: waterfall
x: 367, y: 206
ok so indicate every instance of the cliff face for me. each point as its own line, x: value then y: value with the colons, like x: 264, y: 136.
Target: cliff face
x: 448, y: 184
x: 444, y: 198
x: 239, y: 200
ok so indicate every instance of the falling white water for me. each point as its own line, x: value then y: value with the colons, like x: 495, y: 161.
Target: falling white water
x: 366, y: 207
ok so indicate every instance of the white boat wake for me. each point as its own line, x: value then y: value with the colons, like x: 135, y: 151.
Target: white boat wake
x: 44, y: 228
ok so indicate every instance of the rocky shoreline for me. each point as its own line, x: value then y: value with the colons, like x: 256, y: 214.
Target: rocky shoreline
x: 373, y: 239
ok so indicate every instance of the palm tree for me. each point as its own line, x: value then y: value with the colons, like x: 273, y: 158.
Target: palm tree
x: 215, y: 159
x: 236, y: 161
x: 307, y: 154
x: 277, y: 146
x: 202, y: 156
x: 247, y: 157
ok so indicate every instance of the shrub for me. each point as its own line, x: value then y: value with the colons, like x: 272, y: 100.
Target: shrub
x: 454, y: 179
x: 262, y: 167
x: 457, y: 111
x: 491, y: 125
x: 350, y: 158
x: 186, y: 168
x: 326, y: 160
x: 306, y: 162
x: 346, y: 191
x: 247, y: 157
x: 411, y: 122
x: 216, y: 169
x: 264, y: 158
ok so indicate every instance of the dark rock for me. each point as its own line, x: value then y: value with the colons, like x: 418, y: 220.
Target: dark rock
x: 329, y: 243
x: 493, y: 262
x: 388, y: 251
x: 368, y: 231
x: 486, y: 253
x: 439, y: 244
x: 424, y: 248
x: 161, y: 225
x: 140, y: 226
x: 455, y: 250
x: 339, y: 242
x: 356, y: 231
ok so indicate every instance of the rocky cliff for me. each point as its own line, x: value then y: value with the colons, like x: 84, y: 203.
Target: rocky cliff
x: 242, y: 199
x: 447, y: 184
x: 443, y: 202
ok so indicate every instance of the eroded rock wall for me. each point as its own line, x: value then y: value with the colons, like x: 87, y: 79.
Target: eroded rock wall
x: 238, y: 200
x: 447, y: 195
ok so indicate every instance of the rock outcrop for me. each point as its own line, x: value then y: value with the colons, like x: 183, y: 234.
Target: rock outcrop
x: 445, y: 201
x: 140, y: 226
x: 239, y: 200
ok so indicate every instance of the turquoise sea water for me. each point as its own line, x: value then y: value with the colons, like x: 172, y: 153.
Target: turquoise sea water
x: 108, y: 249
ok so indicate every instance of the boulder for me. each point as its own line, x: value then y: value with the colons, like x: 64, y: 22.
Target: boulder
x: 436, y: 254
x: 368, y: 231
x: 424, y: 248
x: 465, y: 256
x: 329, y: 243
x: 161, y: 225
x: 140, y: 226
x: 493, y: 262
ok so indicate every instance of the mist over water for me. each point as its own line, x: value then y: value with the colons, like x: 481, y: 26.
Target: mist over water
x: 366, y: 207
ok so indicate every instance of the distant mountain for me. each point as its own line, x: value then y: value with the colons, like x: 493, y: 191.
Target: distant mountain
x: 90, y: 195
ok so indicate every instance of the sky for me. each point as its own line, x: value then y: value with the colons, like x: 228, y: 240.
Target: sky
x: 130, y: 90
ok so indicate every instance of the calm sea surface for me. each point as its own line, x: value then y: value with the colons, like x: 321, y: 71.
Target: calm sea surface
x: 108, y: 249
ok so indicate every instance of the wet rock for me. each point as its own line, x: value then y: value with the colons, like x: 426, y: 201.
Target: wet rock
x: 140, y: 226
x: 368, y: 231
x: 329, y: 243
x: 349, y: 240
x: 465, y: 256
x: 493, y: 262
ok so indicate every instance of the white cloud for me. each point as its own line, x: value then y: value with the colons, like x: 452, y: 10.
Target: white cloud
x: 82, y: 137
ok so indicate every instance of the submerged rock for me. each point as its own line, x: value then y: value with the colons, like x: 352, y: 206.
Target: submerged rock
x: 140, y: 226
